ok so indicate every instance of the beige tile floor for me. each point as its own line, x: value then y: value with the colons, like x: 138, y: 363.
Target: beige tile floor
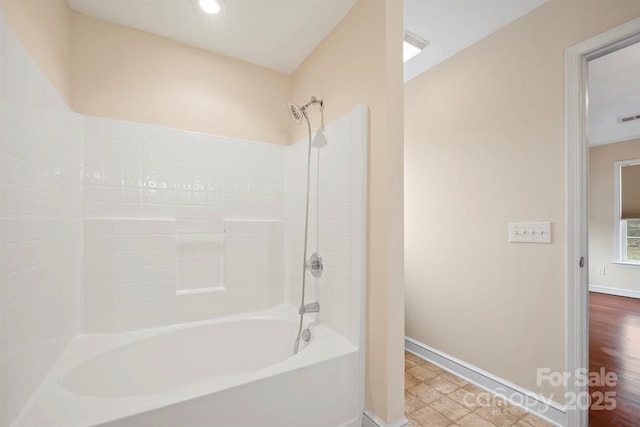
x: 434, y: 397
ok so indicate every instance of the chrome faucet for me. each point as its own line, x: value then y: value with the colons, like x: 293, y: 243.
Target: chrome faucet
x: 313, y: 307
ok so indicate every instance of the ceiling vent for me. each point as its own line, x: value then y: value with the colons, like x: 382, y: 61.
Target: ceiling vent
x: 628, y: 118
x: 412, y: 45
x: 415, y: 40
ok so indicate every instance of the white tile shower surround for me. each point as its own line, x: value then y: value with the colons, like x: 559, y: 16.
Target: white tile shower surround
x: 41, y: 225
x: 124, y: 195
x: 331, y: 201
x: 139, y: 171
x: 187, y: 176
x: 133, y: 271
x: 167, y: 184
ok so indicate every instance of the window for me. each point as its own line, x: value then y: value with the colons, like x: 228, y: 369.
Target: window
x: 632, y: 245
x: 627, y: 211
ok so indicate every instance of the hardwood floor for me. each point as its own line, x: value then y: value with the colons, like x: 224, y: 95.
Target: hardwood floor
x: 614, y: 345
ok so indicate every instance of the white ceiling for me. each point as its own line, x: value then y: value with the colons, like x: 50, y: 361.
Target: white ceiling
x: 614, y: 92
x: 452, y: 25
x: 276, y: 34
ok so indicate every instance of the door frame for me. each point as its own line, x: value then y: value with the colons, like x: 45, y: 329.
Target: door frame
x: 576, y: 203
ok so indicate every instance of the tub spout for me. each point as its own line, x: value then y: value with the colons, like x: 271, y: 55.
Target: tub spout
x: 313, y: 307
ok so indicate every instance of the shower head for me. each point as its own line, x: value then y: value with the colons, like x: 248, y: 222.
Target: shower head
x: 296, y: 112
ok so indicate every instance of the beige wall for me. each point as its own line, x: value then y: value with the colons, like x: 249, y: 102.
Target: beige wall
x: 601, y: 245
x: 111, y: 71
x: 484, y: 147
x: 126, y: 74
x: 43, y: 28
x: 360, y: 62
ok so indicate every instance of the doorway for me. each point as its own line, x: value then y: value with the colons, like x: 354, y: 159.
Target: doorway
x: 577, y: 60
x: 614, y: 237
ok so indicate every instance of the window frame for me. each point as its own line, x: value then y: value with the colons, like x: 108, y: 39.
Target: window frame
x: 620, y: 225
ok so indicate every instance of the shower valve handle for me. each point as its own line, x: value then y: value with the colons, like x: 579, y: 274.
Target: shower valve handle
x: 315, y: 265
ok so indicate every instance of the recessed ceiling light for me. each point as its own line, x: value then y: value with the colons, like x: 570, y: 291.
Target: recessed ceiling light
x: 412, y: 45
x: 209, y: 6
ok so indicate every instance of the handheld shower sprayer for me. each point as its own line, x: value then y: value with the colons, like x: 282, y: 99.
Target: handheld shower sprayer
x: 320, y: 140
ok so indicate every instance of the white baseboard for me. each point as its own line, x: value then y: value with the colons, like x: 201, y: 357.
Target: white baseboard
x: 370, y: 420
x: 550, y: 411
x: 614, y: 291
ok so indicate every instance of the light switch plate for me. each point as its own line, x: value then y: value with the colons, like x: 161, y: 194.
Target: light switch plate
x: 530, y: 232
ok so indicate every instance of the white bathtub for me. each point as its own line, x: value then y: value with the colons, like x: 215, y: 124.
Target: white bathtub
x: 232, y: 372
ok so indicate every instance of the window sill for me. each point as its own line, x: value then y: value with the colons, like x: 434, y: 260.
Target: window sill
x: 627, y: 264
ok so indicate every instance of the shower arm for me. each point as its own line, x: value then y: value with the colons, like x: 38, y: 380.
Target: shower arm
x: 314, y: 101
